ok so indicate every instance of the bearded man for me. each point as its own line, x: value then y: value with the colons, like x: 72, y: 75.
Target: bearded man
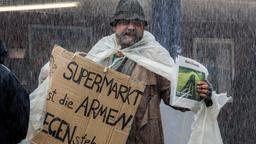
x: 112, y: 51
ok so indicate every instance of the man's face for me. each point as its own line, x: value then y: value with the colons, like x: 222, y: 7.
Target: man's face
x: 128, y: 32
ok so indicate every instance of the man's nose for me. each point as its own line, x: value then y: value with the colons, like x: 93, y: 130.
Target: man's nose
x: 131, y: 26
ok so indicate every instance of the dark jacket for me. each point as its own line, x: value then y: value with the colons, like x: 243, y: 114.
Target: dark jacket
x: 14, y: 108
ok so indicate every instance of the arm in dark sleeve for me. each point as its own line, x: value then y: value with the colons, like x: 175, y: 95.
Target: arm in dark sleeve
x: 19, y: 108
x: 164, y: 88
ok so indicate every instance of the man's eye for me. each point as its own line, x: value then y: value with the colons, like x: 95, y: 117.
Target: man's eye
x: 137, y: 22
x: 134, y: 22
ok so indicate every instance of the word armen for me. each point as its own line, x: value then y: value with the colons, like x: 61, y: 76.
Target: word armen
x: 95, y: 108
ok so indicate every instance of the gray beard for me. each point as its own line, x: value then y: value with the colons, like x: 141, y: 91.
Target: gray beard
x: 124, y: 43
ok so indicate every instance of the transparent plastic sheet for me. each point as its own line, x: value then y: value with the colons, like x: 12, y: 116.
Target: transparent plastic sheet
x: 37, y: 103
x: 194, y: 127
x: 147, y: 53
x: 176, y: 125
x: 44, y: 72
x: 205, y: 128
x: 183, y: 91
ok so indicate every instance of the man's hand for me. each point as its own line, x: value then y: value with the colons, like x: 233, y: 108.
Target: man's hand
x: 205, y: 91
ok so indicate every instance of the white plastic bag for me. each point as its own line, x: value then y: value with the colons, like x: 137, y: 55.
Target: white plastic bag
x: 44, y: 72
x: 205, y: 129
x: 37, y: 107
x: 176, y: 125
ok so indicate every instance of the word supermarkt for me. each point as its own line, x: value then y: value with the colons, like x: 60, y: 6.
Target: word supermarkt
x: 96, y: 81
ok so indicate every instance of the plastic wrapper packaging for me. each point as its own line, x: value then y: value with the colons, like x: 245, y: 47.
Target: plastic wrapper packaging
x: 183, y: 90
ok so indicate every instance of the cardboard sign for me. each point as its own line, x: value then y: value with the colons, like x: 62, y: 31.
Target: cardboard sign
x: 87, y: 104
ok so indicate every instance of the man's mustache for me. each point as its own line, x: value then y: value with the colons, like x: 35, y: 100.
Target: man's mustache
x: 129, y: 34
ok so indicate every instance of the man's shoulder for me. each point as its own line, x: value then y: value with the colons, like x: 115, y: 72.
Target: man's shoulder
x: 6, y: 73
x: 7, y: 76
x: 4, y: 70
x: 107, y: 39
x: 103, y: 44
